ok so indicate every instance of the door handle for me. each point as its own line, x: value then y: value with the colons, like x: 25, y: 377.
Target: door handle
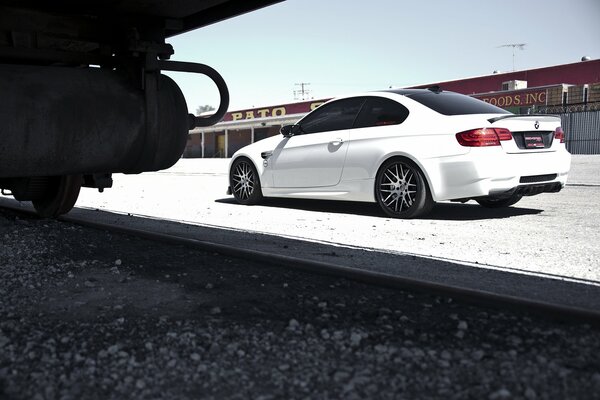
x: 337, y: 141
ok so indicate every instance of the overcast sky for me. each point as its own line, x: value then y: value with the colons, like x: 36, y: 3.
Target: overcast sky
x: 342, y: 46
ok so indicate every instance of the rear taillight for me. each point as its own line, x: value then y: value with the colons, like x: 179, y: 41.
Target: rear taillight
x: 483, y: 137
x: 559, y: 134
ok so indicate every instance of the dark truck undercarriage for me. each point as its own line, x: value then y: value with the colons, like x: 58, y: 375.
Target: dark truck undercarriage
x: 83, y: 96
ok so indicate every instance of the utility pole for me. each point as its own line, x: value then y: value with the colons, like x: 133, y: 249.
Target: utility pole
x: 520, y: 46
x: 302, y: 93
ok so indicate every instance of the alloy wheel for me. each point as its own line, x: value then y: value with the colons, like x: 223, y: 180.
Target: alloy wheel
x: 398, y: 187
x: 243, y: 181
x: 401, y: 189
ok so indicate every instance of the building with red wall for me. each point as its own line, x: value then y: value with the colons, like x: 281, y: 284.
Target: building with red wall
x: 579, y: 73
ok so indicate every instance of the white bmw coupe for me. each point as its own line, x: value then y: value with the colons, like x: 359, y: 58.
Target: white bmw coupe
x: 406, y: 149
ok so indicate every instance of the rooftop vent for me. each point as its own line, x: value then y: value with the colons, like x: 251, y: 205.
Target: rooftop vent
x: 514, y: 85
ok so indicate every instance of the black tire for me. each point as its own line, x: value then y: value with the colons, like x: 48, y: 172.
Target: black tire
x: 60, y: 197
x: 244, y: 182
x: 401, y: 189
x: 498, y: 202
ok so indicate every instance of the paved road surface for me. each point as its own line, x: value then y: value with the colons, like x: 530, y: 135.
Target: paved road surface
x: 544, y: 247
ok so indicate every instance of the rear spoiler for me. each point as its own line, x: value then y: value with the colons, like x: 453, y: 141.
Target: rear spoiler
x: 495, y: 119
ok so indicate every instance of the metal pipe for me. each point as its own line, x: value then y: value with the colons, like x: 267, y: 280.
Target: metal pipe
x: 180, y: 66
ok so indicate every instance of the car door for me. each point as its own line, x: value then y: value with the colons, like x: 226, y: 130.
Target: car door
x: 380, y: 120
x: 315, y: 156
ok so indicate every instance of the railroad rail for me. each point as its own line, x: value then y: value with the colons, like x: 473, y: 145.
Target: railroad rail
x: 338, y: 270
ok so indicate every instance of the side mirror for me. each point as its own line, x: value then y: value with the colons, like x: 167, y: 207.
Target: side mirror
x: 290, y: 130
x: 286, y: 131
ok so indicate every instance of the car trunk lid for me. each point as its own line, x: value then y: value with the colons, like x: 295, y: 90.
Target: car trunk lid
x: 531, y: 133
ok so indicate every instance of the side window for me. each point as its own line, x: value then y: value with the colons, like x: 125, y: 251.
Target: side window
x: 334, y: 116
x: 379, y: 111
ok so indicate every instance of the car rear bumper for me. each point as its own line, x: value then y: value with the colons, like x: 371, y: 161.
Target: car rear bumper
x: 530, y: 190
x: 491, y: 172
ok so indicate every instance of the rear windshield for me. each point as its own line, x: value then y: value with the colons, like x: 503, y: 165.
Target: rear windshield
x: 450, y: 103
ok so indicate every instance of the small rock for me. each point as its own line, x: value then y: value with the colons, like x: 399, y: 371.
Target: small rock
x: 284, y: 367
x: 340, y: 376
x: 202, y: 368
x: 500, y: 394
x: 3, y: 340
x: 338, y: 335
x: 462, y: 325
x: 355, y: 339
x: 118, y: 262
x: 214, y: 348
x: 293, y: 324
x: 380, y: 348
x: 530, y: 394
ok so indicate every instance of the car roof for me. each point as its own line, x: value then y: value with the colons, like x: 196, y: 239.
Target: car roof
x: 438, y: 100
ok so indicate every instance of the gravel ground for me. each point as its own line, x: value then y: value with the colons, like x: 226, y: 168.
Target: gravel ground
x: 90, y: 314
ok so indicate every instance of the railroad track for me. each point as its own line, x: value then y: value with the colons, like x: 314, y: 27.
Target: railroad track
x: 339, y: 270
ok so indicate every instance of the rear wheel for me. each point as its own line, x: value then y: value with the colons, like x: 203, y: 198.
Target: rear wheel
x: 498, y: 202
x: 59, y: 197
x: 244, y: 182
x: 401, y: 189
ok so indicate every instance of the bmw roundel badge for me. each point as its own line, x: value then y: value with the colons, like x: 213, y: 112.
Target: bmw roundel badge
x: 537, y: 124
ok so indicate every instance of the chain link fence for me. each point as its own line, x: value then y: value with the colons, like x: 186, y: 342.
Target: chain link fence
x: 581, y: 123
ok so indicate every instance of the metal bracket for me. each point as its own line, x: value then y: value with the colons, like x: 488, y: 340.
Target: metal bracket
x: 99, y: 181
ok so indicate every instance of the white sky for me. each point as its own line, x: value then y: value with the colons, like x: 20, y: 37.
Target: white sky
x: 341, y: 46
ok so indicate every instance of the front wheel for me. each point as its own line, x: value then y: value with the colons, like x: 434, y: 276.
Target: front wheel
x: 401, y: 189
x: 498, y: 202
x: 244, y: 182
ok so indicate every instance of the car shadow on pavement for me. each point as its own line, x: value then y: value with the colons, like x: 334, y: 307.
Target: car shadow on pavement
x: 441, y: 211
